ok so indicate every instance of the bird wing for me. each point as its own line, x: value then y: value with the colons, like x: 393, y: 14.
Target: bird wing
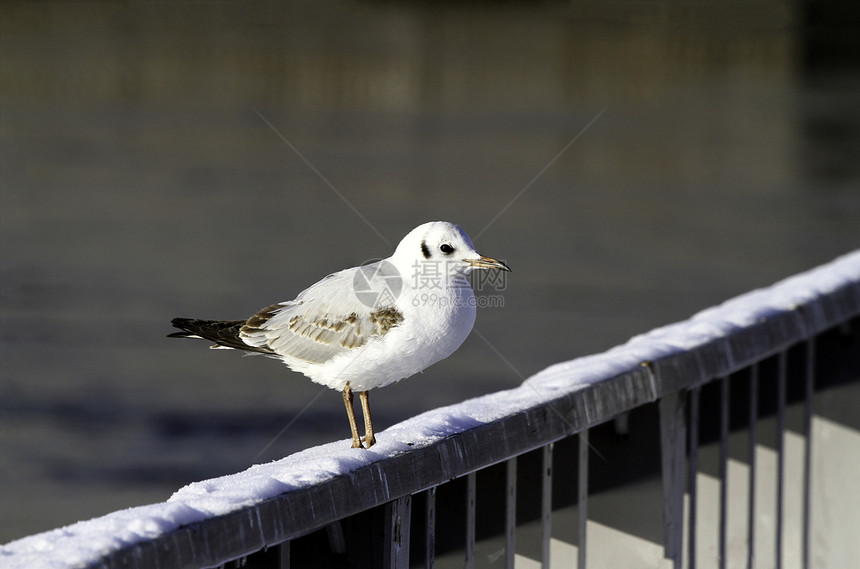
x: 325, y: 320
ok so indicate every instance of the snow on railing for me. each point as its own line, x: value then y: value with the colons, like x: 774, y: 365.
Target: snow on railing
x: 211, y: 522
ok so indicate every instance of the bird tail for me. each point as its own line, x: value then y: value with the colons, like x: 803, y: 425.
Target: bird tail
x: 225, y: 333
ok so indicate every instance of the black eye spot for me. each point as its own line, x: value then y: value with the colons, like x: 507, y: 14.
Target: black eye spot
x: 425, y: 250
x: 445, y: 248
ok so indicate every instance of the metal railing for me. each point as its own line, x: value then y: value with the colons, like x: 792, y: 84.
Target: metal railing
x: 489, y: 490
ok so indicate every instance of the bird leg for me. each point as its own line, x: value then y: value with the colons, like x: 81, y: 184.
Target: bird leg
x: 369, y: 439
x: 350, y: 413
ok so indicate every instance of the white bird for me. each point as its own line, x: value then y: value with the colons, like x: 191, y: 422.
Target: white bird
x: 367, y: 326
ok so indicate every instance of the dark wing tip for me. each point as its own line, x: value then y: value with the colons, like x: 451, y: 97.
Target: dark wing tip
x: 179, y: 335
x: 225, y: 333
x: 182, y: 324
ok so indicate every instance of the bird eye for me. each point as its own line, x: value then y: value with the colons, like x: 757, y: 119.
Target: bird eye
x: 445, y: 248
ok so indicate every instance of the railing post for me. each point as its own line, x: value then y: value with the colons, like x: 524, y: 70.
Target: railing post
x: 808, y: 395
x: 546, y: 506
x: 753, y: 442
x: 673, y: 438
x: 471, y: 518
x: 398, y: 517
x: 336, y: 539
x: 782, y: 392
x: 284, y: 555
x: 692, y: 473
x: 430, y: 528
x: 511, y: 513
x: 582, y: 500
x: 724, y: 471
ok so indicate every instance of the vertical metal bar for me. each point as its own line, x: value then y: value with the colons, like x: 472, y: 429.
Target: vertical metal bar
x: 471, y: 493
x: 780, y: 453
x: 546, y: 506
x: 673, y: 435
x: 284, y: 555
x: 809, y: 393
x: 511, y: 513
x: 398, y: 521
x: 724, y: 470
x: 430, y: 528
x: 751, y: 458
x: 582, y: 500
x: 693, y: 464
x: 336, y: 539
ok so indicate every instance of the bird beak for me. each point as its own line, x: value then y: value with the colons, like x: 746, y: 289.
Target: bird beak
x: 483, y: 262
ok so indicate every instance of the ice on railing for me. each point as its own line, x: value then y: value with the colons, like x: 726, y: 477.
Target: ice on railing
x: 84, y: 542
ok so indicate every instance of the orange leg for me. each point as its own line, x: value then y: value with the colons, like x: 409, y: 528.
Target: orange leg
x: 369, y: 439
x: 350, y: 413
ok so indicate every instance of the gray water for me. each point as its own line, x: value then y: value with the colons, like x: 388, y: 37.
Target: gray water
x: 632, y: 162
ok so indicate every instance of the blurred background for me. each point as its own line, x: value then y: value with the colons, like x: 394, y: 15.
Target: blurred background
x: 633, y: 161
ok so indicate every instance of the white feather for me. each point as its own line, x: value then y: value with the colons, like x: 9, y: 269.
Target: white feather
x: 332, y: 336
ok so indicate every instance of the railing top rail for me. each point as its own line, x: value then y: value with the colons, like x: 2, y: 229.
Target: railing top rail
x: 209, y: 522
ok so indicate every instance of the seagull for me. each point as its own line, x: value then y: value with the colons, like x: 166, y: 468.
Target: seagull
x: 367, y: 326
